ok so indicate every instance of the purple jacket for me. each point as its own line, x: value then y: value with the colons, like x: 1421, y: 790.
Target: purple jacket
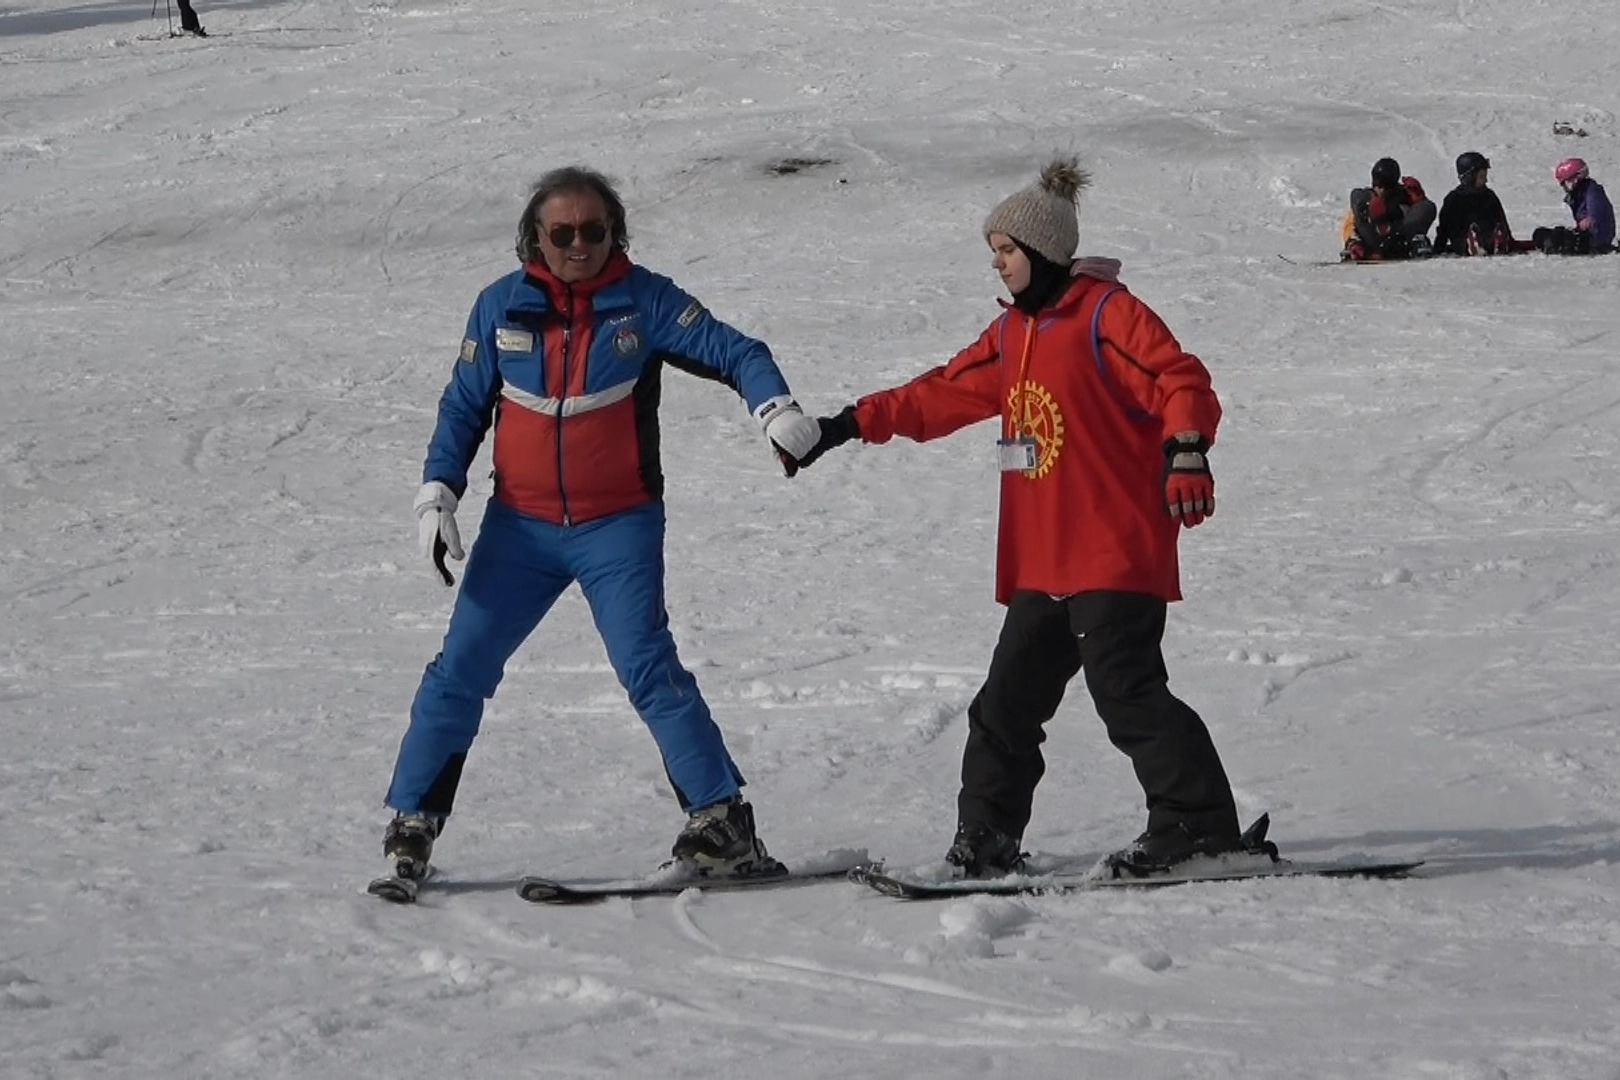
x: 1593, y: 212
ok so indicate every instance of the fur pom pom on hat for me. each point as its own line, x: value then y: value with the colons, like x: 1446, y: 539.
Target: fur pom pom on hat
x: 1045, y: 216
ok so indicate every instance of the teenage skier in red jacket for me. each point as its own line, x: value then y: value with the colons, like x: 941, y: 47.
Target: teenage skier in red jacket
x: 1106, y: 423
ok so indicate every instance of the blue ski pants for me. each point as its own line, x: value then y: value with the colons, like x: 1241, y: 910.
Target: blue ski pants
x: 518, y: 567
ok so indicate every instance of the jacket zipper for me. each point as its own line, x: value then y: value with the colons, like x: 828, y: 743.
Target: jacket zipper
x: 562, y: 399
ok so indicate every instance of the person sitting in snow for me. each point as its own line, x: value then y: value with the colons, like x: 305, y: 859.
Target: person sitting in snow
x: 1390, y: 219
x: 1472, y: 221
x: 1593, y: 233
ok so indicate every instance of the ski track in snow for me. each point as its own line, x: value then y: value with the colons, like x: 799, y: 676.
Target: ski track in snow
x: 233, y: 275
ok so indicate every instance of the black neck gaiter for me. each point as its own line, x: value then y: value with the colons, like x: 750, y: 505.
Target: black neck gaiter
x: 1047, y: 282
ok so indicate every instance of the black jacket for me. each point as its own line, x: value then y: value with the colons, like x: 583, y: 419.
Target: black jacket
x: 1465, y: 206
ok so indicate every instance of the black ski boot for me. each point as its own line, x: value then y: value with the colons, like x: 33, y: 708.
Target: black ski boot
x: 983, y: 851
x: 1161, y: 849
x: 722, y: 838
x: 408, y: 844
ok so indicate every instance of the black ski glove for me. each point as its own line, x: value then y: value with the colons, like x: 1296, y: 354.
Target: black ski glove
x: 835, y: 432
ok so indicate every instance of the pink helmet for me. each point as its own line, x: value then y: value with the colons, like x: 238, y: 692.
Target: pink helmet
x: 1570, y: 169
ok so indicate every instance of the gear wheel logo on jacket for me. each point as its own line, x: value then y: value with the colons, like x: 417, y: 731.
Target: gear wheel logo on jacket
x: 1038, y: 417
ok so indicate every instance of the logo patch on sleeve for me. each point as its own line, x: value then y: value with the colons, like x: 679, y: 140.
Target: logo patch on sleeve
x: 693, y: 312
x: 514, y: 341
x: 469, y: 351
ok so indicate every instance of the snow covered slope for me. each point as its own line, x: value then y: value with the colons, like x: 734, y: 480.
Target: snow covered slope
x: 233, y: 277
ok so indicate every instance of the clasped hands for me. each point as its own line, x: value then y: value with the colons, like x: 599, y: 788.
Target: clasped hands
x: 799, y: 440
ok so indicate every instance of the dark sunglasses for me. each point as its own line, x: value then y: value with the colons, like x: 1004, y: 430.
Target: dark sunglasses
x: 592, y: 232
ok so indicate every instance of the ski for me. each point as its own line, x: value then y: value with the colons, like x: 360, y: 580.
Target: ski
x: 396, y: 889
x: 173, y: 35
x: 540, y: 890
x: 902, y: 887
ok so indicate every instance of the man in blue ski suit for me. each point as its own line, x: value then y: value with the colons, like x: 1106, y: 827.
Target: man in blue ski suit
x: 562, y: 358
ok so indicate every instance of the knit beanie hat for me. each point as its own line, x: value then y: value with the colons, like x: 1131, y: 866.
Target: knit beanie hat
x: 1044, y: 216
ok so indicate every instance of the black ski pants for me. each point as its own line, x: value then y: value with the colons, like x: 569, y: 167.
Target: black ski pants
x: 188, y: 17
x: 1115, y: 638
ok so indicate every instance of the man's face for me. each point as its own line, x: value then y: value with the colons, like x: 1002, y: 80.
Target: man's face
x: 581, y: 219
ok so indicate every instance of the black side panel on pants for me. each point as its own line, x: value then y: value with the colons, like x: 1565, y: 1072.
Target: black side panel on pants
x: 438, y: 799
x: 1118, y: 636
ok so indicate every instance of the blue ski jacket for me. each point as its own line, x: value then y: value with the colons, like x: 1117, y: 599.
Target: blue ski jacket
x: 568, y: 376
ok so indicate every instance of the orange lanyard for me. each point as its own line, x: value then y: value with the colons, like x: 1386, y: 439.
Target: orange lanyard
x: 1018, y: 407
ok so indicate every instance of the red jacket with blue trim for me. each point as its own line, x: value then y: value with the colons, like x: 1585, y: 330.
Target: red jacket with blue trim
x: 568, y: 375
x: 1100, y: 383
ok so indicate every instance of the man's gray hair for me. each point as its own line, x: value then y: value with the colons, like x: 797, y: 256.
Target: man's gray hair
x: 569, y: 179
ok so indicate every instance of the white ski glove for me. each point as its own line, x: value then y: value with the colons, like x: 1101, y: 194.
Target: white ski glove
x: 436, y: 532
x: 792, y: 433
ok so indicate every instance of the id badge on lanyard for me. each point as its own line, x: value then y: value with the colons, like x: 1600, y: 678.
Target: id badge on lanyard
x: 1022, y: 454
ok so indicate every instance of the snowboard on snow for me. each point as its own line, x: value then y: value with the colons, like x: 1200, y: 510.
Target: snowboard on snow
x: 1258, y: 858
x: 1363, y: 262
x: 1521, y: 247
x: 1238, y: 868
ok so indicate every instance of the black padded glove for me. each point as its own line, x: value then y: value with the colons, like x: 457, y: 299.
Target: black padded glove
x: 835, y: 432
